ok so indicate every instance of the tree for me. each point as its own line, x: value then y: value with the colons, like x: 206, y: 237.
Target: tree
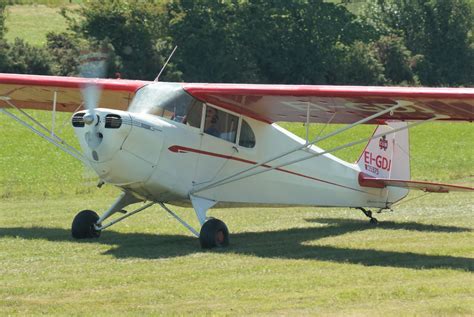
x: 3, y: 43
x: 284, y: 41
x: 135, y: 31
x: 64, y: 50
x: 359, y: 65
x: 439, y: 31
x: 209, y: 41
x: 299, y: 41
x: 26, y: 59
x: 397, y: 60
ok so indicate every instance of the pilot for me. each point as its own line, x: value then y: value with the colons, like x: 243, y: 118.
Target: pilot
x: 210, y: 123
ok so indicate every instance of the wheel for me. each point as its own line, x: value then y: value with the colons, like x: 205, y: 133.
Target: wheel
x: 83, y: 225
x: 214, y: 233
x: 374, y: 221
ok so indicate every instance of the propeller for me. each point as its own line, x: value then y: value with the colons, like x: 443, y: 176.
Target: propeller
x: 92, y: 66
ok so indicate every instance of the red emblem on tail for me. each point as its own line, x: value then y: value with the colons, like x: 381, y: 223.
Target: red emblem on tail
x: 383, y: 143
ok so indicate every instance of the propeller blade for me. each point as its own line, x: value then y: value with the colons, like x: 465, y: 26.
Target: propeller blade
x: 92, y: 65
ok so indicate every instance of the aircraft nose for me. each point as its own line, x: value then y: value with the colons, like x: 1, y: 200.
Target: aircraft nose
x: 101, y: 132
x: 93, y: 136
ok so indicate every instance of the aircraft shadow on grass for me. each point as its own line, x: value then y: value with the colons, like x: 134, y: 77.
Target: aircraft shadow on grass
x: 284, y: 244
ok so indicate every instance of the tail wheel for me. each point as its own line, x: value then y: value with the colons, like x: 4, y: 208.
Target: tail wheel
x: 214, y: 233
x: 83, y: 225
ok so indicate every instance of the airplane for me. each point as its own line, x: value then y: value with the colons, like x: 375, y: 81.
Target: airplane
x: 218, y: 145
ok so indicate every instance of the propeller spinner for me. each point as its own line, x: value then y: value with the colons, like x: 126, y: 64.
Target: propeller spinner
x: 92, y: 66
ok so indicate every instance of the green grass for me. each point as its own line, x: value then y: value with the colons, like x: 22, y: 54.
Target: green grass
x: 285, y: 261
x: 32, y: 22
x: 298, y: 261
x: 33, y: 167
x: 49, y: 3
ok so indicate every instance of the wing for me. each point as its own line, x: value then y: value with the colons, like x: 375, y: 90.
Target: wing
x: 368, y: 181
x: 38, y: 92
x: 337, y: 104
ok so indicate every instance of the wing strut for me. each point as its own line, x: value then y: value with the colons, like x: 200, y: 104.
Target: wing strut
x: 235, y: 177
x: 53, y: 139
x: 307, y: 144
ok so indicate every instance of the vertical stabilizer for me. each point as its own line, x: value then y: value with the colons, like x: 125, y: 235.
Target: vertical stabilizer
x: 388, y: 156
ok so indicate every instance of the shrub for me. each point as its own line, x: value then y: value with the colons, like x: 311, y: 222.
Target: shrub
x: 26, y: 59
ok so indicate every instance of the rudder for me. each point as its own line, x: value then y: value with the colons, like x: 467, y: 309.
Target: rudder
x: 388, y: 156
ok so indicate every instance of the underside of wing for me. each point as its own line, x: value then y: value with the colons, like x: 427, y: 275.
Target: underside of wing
x: 337, y: 104
x: 367, y: 181
x: 40, y: 92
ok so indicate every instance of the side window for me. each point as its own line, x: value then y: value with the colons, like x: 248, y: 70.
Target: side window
x: 247, y: 137
x: 193, y: 117
x: 220, y: 124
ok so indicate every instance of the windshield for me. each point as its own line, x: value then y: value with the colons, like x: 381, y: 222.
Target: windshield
x: 168, y: 100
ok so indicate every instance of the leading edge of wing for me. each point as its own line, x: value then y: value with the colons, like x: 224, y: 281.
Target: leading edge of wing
x: 337, y: 104
x: 71, y: 82
x: 38, y: 91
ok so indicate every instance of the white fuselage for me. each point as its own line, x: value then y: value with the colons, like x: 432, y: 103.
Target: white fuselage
x: 162, y: 160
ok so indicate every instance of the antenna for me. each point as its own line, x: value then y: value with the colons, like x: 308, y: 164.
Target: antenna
x: 166, y: 63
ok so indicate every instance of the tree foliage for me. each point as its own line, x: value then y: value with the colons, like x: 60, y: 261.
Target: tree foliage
x: 359, y: 66
x: 390, y: 42
x: 3, y: 5
x: 208, y: 35
x: 398, y: 62
x: 3, y: 44
x: 438, y: 31
x: 21, y: 57
x: 261, y: 41
x: 134, y: 29
x: 64, y: 51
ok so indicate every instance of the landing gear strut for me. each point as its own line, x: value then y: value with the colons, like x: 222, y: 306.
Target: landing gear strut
x: 368, y: 213
x: 213, y: 234
x: 87, y: 224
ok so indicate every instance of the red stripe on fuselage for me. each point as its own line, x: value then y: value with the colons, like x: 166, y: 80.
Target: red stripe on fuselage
x: 183, y: 149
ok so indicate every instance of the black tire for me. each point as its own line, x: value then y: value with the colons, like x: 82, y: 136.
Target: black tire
x: 374, y: 221
x: 83, y: 225
x: 214, y: 234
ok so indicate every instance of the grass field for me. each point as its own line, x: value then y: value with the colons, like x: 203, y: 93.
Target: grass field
x: 283, y: 261
x: 296, y: 261
x: 32, y: 22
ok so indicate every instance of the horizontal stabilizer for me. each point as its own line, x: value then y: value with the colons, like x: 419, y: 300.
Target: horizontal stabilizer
x: 367, y: 181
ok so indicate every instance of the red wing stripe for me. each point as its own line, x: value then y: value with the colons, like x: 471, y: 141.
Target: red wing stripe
x: 71, y: 82
x: 183, y: 149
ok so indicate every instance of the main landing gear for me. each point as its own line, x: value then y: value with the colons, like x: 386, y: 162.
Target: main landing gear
x: 214, y: 233
x: 368, y: 213
x: 87, y: 224
x: 83, y: 225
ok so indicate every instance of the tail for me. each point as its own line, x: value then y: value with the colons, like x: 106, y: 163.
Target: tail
x: 388, y: 157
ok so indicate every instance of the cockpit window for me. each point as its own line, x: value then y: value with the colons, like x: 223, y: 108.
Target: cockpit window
x: 220, y: 124
x: 167, y: 100
x: 194, y: 115
x: 247, y: 137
